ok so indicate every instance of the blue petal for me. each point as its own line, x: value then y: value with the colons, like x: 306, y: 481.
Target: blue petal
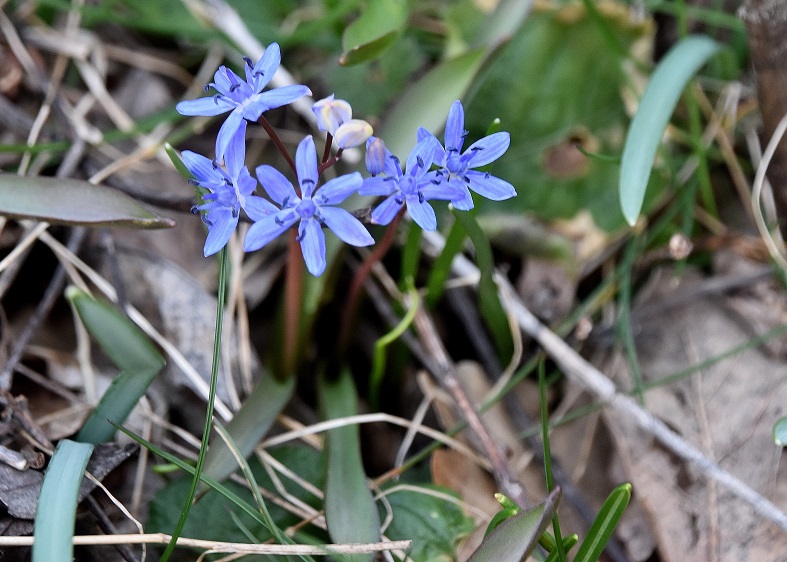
x: 276, y: 185
x: 201, y: 168
x: 226, y: 81
x: 489, y: 149
x: 378, y: 186
x: 223, y: 224
x: 422, y: 213
x: 312, y: 245
x: 420, y: 159
x: 228, y: 130
x: 266, y: 67
x: 444, y: 191
x: 385, y: 212
x: 490, y: 186
x: 236, y: 151
x: 260, y: 103
x: 245, y: 183
x: 464, y: 203
x: 439, y: 152
x: 455, y: 127
x: 338, y: 189
x: 205, y: 106
x: 257, y: 208
x: 306, y: 164
x: 268, y: 228
x: 346, y: 226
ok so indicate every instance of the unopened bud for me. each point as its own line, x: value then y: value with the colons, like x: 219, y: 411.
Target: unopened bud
x: 352, y: 133
x: 376, y: 153
x: 331, y: 113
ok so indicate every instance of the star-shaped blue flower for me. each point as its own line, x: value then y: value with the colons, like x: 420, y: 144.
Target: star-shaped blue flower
x: 314, y: 208
x: 456, y: 167
x: 228, y: 191
x: 244, y: 99
x: 413, y: 188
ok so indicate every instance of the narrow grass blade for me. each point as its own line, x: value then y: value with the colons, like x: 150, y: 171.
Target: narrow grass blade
x: 73, y: 202
x: 250, y: 424
x: 441, y: 268
x: 516, y: 537
x: 602, y: 528
x: 488, y: 300
x: 177, y: 162
x: 138, y: 359
x: 350, y: 511
x: 56, y: 510
x: 657, y: 105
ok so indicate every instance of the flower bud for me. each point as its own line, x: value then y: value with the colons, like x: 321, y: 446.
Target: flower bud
x: 376, y: 153
x: 352, y: 133
x: 331, y: 113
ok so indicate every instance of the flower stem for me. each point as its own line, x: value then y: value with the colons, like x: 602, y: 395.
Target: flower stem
x: 293, y: 295
x: 214, y: 376
x: 274, y: 136
x: 354, y: 294
x: 327, y: 152
x: 330, y: 161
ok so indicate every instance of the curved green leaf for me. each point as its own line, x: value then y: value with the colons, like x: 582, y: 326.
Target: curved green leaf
x: 657, y: 105
x: 602, y: 528
x: 73, y: 202
x: 516, y: 537
x: 349, y: 507
x: 53, y: 529
x: 374, y: 31
x: 129, y: 348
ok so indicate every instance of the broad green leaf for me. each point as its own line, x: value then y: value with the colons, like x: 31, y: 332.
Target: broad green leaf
x: 553, y: 85
x: 349, y: 507
x: 657, y: 105
x: 516, y: 537
x: 435, y: 525
x: 250, y: 424
x: 128, y: 347
x: 177, y: 161
x: 73, y: 202
x: 426, y: 103
x: 53, y: 529
x: 604, y: 525
x: 374, y: 31
x: 780, y: 432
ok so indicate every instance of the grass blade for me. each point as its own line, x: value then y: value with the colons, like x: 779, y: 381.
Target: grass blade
x: 57, y: 503
x: 604, y: 524
x: 350, y: 511
x: 657, y: 105
x: 73, y: 202
x: 129, y: 349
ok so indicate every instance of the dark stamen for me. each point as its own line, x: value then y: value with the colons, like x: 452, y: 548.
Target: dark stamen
x: 421, y: 197
x: 249, y: 62
x: 192, y: 181
x: 215, y: 164
x: 465, y: 133
x: 278, y: 221
x: 194, y: 210
x: 486, y: 175
x: 467, y: 180
x: 234, y: 87
x: 235, y: 213
x: 399, y: 200
x: 419, y: 161
x: 206, y: 87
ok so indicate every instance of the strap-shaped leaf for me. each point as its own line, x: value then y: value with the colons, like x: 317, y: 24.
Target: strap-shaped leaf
x: 604, y: 524
x: 129, y: 349
x: 53, y: 529
x: 73, y: 202
x: 657, y: 105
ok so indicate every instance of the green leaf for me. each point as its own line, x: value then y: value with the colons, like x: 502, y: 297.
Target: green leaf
x: 657, y: 105
x: 56, y: 510
x: 129, y: 348
x: 177, y: 161
x: 250, y: 424
x: 426, y: 103
x: 780, y: 432
x: 73, y: 202
x: 374, y: 31
x: 516, y: 537
x: 349, y: 507
x: 435, y: 525
x: 604, y: 525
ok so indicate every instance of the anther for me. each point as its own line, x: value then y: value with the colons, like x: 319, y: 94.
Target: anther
x: 399, y: 200
x: 421, y: 197
x: 235, y: 213
x: 192, y: 181
x: 419, y: 161
x: 249, y: 62
x: 465, y: 133
x: 215, y: 164
x: 467, y: 180
x: 194, y: 210
x: 278, y: 221
x: 234, y: 87
x: 206, y: 87
x: 487, y: 174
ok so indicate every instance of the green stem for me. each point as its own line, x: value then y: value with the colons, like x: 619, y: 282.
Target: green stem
x: 542, y: 387
x: 214, y: 376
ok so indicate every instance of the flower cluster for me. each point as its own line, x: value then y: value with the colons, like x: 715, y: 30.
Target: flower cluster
x: 432, y: 172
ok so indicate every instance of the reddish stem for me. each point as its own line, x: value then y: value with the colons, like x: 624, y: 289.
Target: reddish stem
x: 354, y: 294
x: 327, y: 152
x: 293, y: 295
x: 279, y: 144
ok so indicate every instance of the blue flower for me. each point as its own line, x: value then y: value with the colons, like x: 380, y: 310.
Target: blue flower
x: 312, y: 209
x: 413, y: 188
x: 243, y: 98
x: 456, y: 167
x: 228, y: 192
